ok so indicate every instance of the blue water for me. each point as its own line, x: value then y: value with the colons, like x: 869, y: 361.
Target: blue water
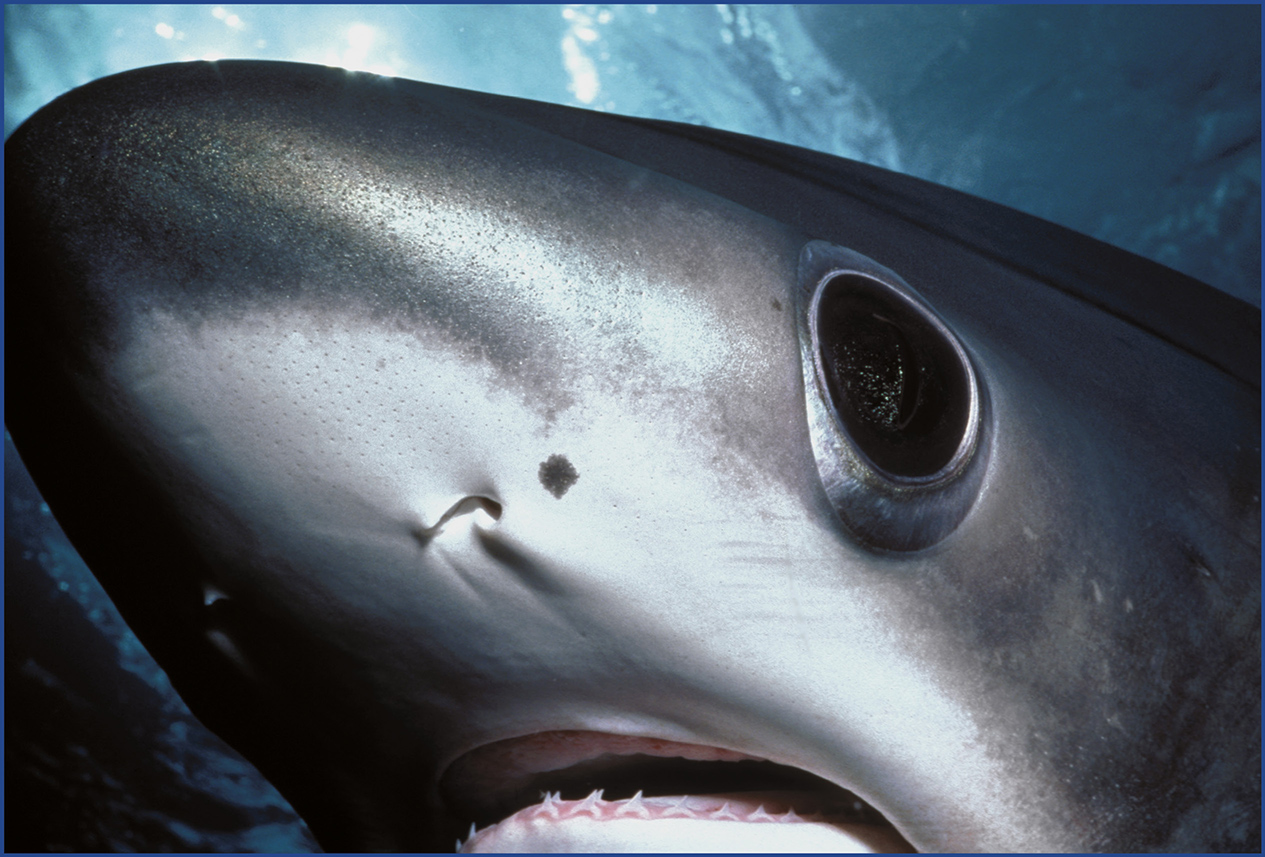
x: 1139, y: 125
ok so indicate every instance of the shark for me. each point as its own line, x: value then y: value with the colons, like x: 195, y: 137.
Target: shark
x: 517, y: 477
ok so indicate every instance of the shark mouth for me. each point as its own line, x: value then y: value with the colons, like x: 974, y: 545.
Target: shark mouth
x: 598, y: 792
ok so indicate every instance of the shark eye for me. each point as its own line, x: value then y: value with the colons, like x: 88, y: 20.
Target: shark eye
x: 896, y: 412
x: 894, y: 379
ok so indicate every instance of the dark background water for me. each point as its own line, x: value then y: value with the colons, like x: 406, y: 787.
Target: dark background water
x: 1139, y: 125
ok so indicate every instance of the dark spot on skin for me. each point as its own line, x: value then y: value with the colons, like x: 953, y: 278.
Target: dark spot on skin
x: 777, y: 305
x: 557, y: 475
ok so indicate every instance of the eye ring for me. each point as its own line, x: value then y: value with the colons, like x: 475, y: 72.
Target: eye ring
x: 897, y: 413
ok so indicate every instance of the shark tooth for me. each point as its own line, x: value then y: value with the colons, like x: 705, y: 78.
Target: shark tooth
x: 592, y: 804
x: 679, y: 809
x: 760, y: 815
x: 634, y: 806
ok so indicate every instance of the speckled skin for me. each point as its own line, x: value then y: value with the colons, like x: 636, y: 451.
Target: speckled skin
x: 269, y: 323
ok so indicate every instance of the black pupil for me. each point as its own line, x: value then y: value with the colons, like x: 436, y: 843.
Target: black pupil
x: 897, y: 384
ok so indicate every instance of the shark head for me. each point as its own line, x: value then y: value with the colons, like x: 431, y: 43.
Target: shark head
x: 610, y: 484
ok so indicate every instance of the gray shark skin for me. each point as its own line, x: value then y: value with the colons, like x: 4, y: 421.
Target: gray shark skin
x: 399, y: 421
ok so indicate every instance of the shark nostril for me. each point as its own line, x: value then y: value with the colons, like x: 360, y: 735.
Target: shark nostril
x: 472, y: 504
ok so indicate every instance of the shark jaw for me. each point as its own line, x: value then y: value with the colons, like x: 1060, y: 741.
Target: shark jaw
x: 540, y: 793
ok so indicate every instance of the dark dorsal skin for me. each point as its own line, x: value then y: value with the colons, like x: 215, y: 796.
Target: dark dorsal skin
x: 593, y: 332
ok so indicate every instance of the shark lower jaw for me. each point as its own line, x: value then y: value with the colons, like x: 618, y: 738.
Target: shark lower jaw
x: 585, y: 791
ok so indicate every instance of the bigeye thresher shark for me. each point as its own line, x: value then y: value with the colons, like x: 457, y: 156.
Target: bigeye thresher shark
x: 619, y: 484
